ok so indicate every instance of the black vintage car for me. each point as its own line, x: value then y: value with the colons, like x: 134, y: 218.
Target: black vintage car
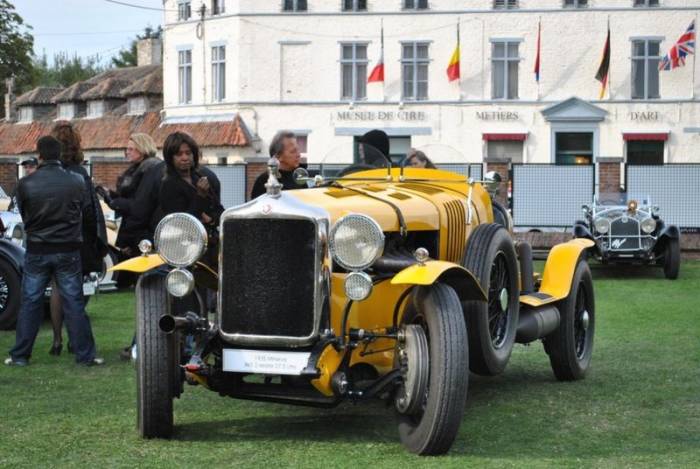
x: 629, y: 230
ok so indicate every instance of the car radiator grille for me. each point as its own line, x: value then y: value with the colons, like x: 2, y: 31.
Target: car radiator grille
x: 624, y: 235
x: 456, y: 230
x: 268, y: 277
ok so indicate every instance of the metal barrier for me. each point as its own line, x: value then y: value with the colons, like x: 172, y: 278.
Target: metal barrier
x: 233, y: 183
x: 673, y: 187
x: 548, y: 195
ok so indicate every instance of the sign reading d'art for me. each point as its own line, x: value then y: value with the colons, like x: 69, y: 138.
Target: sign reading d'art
x: 405, y: 116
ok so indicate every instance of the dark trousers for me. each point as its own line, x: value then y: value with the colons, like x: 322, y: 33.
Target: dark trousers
x: 38, y: 270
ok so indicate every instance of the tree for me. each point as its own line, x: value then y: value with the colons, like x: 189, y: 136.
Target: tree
x: 65, y: 70
x: 16, y: 44
x: 128, y: 57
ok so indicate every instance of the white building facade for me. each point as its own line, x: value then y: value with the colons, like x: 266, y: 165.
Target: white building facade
x: 303, y: 65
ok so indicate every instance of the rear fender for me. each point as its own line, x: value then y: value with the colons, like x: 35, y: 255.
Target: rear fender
x: 12, y: 253
x: 558, y: 272
x: 460, y: 279
x: 139, y: 264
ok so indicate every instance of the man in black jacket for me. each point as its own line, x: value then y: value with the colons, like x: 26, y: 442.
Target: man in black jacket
x: 54, y: 205
x: 284, y: 148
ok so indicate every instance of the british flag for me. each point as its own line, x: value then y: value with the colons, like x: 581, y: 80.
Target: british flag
x: 680, y: 50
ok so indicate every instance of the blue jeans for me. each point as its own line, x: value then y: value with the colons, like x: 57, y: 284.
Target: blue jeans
x: 38, y: 270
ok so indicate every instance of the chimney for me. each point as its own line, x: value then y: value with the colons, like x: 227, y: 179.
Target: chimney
x: 10, y: 99
x: 149, y: 52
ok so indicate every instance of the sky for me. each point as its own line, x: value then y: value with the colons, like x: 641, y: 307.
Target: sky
x: 86, y: 27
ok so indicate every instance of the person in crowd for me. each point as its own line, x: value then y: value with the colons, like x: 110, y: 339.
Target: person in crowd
x: 284, y: 148
x: 94, y: 236
x: 374, y: 148
x: 418, y: 159
x: 134, y: 200
x: 29, y: 165
x: 191, y: 188
x: 54, y: 203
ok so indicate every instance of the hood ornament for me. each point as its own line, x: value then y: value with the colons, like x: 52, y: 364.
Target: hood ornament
x: 273, y: 186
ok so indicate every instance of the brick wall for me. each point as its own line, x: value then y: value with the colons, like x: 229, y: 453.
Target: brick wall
x: 609, y: 175
x: 105, y: 172
x: 8, y: 175
x: 254, y: 167
x: 502, y: 168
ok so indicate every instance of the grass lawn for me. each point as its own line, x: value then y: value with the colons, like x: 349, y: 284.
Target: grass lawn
x: 639, y: 405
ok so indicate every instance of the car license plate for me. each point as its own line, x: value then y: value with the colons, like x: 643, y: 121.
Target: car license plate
x: 88, y: 288
x: 265, y: 362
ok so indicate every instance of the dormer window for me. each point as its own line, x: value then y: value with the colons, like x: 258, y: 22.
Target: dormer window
x: 26, y: 114
x: 136, y: 105
x: 66, y: 111
x: 95, y: 109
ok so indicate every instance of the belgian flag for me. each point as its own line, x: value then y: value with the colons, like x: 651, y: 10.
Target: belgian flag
x: 604, y: 68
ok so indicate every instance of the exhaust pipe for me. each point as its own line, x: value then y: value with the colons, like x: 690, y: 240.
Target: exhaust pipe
x: 526, y: 276
x: 536, y: 323
x: 189, y: 323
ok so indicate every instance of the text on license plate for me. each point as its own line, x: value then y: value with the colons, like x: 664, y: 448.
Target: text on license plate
x: 265, y: 362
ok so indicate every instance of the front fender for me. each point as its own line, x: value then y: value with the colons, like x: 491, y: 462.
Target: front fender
x: 581, y: 231
x: 12, y: 253
x: 558, y: 272
x: 464, y: 283
x: 139, y: 264
x: 670, y: 231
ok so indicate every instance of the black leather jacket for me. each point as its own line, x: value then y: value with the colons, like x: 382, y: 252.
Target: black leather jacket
x: 54, y: 205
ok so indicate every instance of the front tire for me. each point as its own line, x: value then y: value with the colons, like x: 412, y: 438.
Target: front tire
x: 492, y: 325
x: 570, y: 346
x: 157, y: 359
x: 672, y: 258
x: 10, y: 295
x: 431, y: 427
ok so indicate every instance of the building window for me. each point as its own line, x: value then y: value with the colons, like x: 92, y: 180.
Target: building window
x: 184, y: 76
x: 294, y: 5
x: 645, y: 152
x: 415, y: 4
x: 66, y: 111
x: 218, y: 73
x: 184, y: 11
x: 95, y: 109
x: 574, y: 148
x: 354, y: 5
x: 353, y: 65
x: 414, y: 66
x: 646, y: 3
x: 136, y: 105
x: 504, y: 69
x: 505, y: 4
x: 507, y: 151
x: 26, y: 114
x: 217, y: 7
x: 645, y: 68
x: 575, y: 3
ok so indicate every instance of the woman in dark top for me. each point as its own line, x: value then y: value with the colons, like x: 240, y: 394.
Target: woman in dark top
x: 188, y: 187
x: 94, y: 232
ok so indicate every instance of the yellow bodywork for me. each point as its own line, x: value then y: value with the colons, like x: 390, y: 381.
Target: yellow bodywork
x: 558, y: 272
x: 464, y: 283
x: 139, y: 264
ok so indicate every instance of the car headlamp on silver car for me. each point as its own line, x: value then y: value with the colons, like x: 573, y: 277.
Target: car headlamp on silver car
x: 356, y: 241
x: 180, y: 239
x: 648, y: 225
x: 602, y: 225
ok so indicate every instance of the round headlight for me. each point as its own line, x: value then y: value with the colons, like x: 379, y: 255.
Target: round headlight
x: 648, y: 225
x: 179, y: 282
x: 356, y: 241
x: 358, y: 286
x: 180, y: 239
x: 602, y: 225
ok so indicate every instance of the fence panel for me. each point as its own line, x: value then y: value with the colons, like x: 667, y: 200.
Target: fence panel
x: 673, y: 187
x: 233, y: 182
x: 547, y: 195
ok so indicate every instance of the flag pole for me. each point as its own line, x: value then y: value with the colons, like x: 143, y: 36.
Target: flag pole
x: 695, y: 53
x: 609, y: 67
x: 539, y: 57
x: 459, y: 79
x: 382, y: 46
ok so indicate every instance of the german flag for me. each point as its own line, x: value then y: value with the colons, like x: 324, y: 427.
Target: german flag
x: 604, y: 68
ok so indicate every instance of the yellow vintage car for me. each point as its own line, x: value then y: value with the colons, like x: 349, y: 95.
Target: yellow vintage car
x: 389, y: 283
